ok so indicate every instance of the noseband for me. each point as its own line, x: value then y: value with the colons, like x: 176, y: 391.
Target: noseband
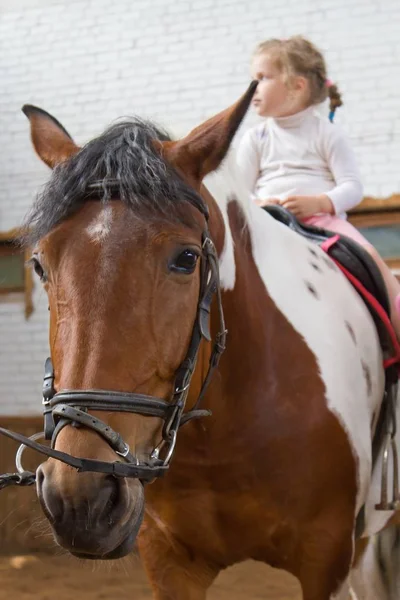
x: 70, y: 407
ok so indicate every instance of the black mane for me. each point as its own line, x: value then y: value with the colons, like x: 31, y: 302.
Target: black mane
x: 124, y: 159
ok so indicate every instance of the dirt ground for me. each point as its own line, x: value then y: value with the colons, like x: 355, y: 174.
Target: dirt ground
x: 44, y: 577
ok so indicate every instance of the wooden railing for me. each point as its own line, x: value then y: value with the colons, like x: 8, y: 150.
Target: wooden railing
x: 375, y: 212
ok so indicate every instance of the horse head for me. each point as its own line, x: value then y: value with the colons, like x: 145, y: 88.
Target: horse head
x: 121, y: 244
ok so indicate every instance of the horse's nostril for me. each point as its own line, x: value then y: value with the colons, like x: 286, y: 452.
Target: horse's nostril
x: 39, y: 477
x: 50, y: 501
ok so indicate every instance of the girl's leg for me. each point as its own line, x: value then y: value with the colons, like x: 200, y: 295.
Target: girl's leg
x: 392, y: 284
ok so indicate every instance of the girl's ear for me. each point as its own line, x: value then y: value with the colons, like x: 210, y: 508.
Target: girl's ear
x: 300, y: 83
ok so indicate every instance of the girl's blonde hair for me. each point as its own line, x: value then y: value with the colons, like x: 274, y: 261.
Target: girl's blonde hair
x: 297, y: 56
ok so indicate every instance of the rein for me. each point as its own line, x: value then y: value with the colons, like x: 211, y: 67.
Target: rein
x: 70, y: 407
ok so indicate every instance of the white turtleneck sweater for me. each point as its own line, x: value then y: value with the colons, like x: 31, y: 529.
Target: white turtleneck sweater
x: 303, y: 154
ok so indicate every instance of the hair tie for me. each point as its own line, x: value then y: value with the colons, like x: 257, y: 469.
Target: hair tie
x: 328, y: 83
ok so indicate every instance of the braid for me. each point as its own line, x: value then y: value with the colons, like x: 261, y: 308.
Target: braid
x: 335, y: 99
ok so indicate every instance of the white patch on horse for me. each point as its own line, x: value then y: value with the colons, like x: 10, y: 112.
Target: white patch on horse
x: 100, y: 227
x: 320, y: 304
x: 284, y: 260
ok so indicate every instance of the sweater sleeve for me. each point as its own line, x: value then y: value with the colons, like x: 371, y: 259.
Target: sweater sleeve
x: 248, y: 162
x: 342, y: 163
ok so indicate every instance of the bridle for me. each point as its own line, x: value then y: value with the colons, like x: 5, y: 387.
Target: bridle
x: 70, y: 407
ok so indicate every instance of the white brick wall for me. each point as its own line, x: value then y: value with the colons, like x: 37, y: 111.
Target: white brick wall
x: 91, y: 61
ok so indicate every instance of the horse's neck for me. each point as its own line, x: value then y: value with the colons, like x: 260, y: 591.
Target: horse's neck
x: 249, y: 311
x: 242, y: 232
x: 245, y: 236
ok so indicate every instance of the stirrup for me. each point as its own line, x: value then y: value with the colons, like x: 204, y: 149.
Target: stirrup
x: 384, y: 504
x: 390, y: 445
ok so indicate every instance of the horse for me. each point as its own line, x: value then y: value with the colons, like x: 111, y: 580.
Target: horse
x: 151, y: 255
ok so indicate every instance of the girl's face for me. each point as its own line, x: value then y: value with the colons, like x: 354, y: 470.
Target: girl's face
x: 273, y: 98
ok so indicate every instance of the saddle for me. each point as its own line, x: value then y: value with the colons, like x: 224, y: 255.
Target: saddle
x: 360, y: 268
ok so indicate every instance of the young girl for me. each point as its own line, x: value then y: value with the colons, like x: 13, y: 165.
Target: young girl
x: 298, y: 159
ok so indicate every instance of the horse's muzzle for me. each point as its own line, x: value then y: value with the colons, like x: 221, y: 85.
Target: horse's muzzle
x: 92, y: 515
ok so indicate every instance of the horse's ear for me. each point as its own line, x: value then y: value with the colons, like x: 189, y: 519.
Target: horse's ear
x: 51, y: 141
x: 204, y: 148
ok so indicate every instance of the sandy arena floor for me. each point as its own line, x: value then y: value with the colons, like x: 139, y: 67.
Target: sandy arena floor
x: 43, y: 577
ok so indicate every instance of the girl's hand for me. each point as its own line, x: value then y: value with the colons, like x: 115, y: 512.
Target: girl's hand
x: 308, y: 206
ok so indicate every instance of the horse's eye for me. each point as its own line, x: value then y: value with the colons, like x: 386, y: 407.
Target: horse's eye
x: 185, y: 262
x: 37, y: 267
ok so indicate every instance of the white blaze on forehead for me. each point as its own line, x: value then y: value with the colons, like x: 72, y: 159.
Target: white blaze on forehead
x: 100, y: 227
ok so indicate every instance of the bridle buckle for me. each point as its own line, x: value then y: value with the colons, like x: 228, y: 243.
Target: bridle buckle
x: 125, y: 453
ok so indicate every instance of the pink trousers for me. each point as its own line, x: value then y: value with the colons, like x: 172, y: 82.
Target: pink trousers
x: 338, y: 225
